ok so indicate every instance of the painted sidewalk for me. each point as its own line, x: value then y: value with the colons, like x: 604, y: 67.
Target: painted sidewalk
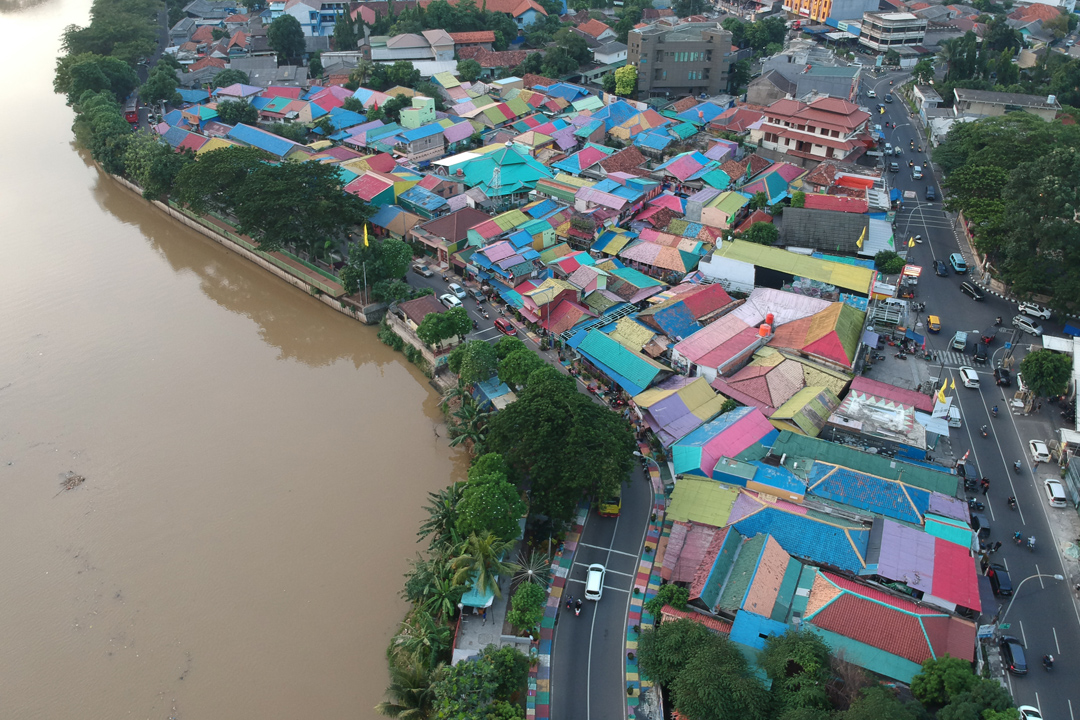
x: 538, y: 703
x: 646, y: 585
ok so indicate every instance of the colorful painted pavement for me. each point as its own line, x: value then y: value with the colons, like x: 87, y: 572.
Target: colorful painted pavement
x: 646, y: 585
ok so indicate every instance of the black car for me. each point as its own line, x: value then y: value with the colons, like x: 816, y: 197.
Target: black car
x: 941, y: 268
x: 931, y: 193
x: 888, y: 98
x: 971, y: 291
x: 1012, y: 654
x: 1000, y: 582
x: 1002, y: 376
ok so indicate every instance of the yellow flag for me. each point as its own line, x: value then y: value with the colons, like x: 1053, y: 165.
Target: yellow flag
x: 365, y: 235
x: 862, y: 237
x: 911, y: 242
x: 952, y: 385
x: 941, y: 392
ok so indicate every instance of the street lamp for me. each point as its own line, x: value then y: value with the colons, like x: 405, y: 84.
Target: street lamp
x: 1017, y: 591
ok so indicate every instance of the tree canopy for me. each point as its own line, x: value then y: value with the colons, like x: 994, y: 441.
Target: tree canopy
x: 1046, y: 372
x: 237, y: 111
x: 762, y: 233
x: 160, y: 86
x: 90, y: 72
x: 437, y: 327
x: 489, y: 501
x: 626, y: 80
x: 153, y: 165
x: 123, y: 29
x: 286, y: 38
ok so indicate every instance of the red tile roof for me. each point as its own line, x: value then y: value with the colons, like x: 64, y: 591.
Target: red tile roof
x: 1036, y: 12
x: 754, y: 217
x: 510, y: 7
x: 714, y: 624
x: 491, y: 59
x: 207, y: 62
x: 531, y: 80
x: 204, y: 34
x: 418, y: 309
x: 593, y: 28
x: 455, y: 226
x: 480, y: 36
x: 827, y: 112
x: 627, y: 160
x: 838, y: 203
x: 891, y: 392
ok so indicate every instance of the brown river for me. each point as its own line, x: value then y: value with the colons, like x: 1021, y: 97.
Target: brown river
x: 255, y: 463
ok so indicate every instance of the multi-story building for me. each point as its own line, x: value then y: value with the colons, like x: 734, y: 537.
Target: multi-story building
x: 828, y: 128
x: 688, y: 59
x: 822, y: 10
x: 882, y: 31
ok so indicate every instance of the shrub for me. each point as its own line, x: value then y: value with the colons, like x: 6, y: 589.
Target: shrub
x: 527, y: 606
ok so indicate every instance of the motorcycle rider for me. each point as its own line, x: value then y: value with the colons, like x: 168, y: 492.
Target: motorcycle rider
x: 1012, y: 502
x: 577, y: 606
x: 983, y: 428
x: 994, y: 410
x: 1048, y: 661
x: 1017, y: 465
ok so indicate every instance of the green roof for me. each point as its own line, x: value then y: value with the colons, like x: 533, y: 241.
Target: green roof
x: 639, y: 370
x: 846, y: 277
x: 701, y: 500
x: 685, y: 130
x: 635, y: 277
x: 742, y: 573
x: 730, y: 203
x: 800, y: 447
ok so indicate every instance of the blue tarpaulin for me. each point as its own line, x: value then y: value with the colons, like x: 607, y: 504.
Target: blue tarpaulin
x: 1071, y: 328
x: 912, y: 335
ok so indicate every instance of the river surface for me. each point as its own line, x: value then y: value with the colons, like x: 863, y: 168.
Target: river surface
x: 255, y: 462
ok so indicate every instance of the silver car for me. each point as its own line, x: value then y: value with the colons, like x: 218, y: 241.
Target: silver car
x: 1027, y: 325
x: 1029, y: 308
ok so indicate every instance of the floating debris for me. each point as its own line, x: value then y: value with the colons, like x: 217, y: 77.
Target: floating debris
x: 70, y: 481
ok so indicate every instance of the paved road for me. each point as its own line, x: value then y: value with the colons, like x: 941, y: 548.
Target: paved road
x: 588, y: 676
x: 1044, y: 616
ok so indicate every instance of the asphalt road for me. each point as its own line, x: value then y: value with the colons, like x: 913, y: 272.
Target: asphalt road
x: 1044, y: 615
x: 588, y: 677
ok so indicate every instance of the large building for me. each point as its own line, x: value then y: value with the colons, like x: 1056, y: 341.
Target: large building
x: 884, y: 31
x: 822, y: 10
x: 984, y: 103
x: 688, y: 59
x: 829, y: 128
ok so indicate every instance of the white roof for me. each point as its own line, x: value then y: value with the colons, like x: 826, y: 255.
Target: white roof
x: 456, y: 159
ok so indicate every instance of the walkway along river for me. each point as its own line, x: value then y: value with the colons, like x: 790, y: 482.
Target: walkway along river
x: 255, y: 463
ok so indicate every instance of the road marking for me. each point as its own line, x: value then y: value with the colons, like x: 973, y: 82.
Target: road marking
x: 1070, y: 709
x: 610, y: 550
x: 1042, y: 585
x: 1056, y: 643
x: 1022, y: 633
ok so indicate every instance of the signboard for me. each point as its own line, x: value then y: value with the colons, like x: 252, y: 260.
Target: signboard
x: 1008, y: 346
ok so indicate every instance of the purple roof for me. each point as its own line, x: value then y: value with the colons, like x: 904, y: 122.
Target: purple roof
x: 564, y: 138
x: 458, y: 131
x: 907, y: 555
x: 499, y: 251
x: 948, y: 507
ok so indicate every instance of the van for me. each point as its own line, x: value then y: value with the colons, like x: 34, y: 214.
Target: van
x: 916, y: 173
x: 959, y: 265
x: 959, y: 341
x: 954, y: 417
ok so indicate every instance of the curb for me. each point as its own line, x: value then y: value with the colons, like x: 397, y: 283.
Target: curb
x: 538, y: 701
x: 647, y: 582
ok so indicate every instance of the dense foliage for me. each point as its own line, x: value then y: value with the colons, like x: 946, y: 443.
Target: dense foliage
x: 466, y: 16
x: 1014, y: 178
x: 286, y: 37
x: 79, y: 73
x: 888, y: 262
x: 1046, y: 372
x: 437, y: 327
x: 490, y: 501
x: 756, y: 35
x: 123, y: 29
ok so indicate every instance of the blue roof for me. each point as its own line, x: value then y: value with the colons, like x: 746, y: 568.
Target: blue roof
x: 175, y: 136
x: 341, y: 119
x: 271, y: 143
x: 520, y: 239
x: 313, y: 91
x: 701, y: 114
x: 803, y: 536
x: 543, y: 208
x: 260, y: 102
x: 422, y: 132
x: 588, y: 128
x: 174, y: 118
x: 193, y: 96
x: 616, y: 114
x: 422, y: 197
x: 869, y: 492
x: 386, y: 215
x: 630, y: 370
x: 566, y: 90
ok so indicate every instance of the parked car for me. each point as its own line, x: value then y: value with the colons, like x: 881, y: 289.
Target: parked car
x: 503, y: 325
x: 1000, y: 582
x: 1027, y: 325
x: 971, y: 291
x: 931, y: 193
x: 888, y: 148
x: 457, y: 290
x: 476, y: 295
x: 969, y: 377
x: 1055, y: 493
x: 1029, y: 713
x: 1039, y: 451
x: 980, y: 352
x: 941, y: 268
x: 422, y: 270
x: 959, y: 265
x: 981, y: 525
x: 594, y: 582
x: 449, y: 301
x: 1012, y: 655
x: 1002, y: 376
x: 888, y: 97
x: 1028, y: 308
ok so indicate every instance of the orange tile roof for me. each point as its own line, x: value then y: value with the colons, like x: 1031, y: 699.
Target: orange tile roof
x: 480, y: 36
x: 594, y: 27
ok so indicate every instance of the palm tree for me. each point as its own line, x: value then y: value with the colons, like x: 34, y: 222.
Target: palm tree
x: 481, y: 557
x: 422, y: 639
x: 410, y: 691
x: 470, y: 425
x: 442, y: 516
x: 443, y: 596
x: 947, y: 51
x: 534, y: 567
x: 456, y: 393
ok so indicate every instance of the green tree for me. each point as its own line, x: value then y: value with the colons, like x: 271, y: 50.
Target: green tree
x: 469, y: 425
x: 160, y: 87
x: 286, y: 38
x: 664, y: 651
x: 559, y: 62
x: 532, y: 65
x: 527, y: 607
x: 985, y: 696
x: 1046, y: 372
x: 421, y: 639
x: 353, y: 105
x: 125, y: 30
x: 214, y: 182
x: 566, y: 446
x: 762, y: 233
x: 797, y: 663
x: 759, y: 200
x: 941, y: 679
x: 626, y: 80
x: 515, y: 369
x: 878, y: 703
x: 717, y: 684
x: 739, y: 76
x: 465, y: 691
x: 232, y: 112
x: 574, y: 44
x: 403, y: 73
x: 345, y: 35
x: 508, y: 345
x: 100, y: 128
x: 437, y: 327
x: 608, y: 82
x: 481, y: 563
x: 490, y: 502
x: 798, y: 199
x: 923, y: 72
x: 225, y: 78
x: 441, y: 523
x: 477, y: 362
x: 668, y: 594
x: 410, y: 691
x: 888, y: 262
x: 469, y: 70
x: 77, y: 74
x: 315, y: 66
x: 153, y: 165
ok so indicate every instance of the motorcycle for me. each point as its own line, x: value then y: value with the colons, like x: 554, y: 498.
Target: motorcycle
x: 918, y: 239
x: 971, y: 484
x: 983, y: 430
x: 1018, y: 538
x: 577, y: 607
x: 1048, y: 662
x: 994, y: 411
x: 901, y: 355
x: 1012, y: 503
x: 974, y: 504
x: 997, y: 321
x: 911, y: 163
x: 475, y: 325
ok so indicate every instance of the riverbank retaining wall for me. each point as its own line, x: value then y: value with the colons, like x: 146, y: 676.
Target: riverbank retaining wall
x: 369, y: 314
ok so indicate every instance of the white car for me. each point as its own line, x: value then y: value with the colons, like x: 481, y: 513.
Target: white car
x: 871, y: 93
x: 1034, y: 310
x: 1027, y: 325
x: 457, y: 290
x: 1039, y: 451
x: 449, y: 301
x: 969, y: 377
x: 594, y: 582
x: 1055, y: 494
x: 1028, y: 712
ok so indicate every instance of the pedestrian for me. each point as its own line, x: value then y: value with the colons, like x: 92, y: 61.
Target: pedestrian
x: 985, y: 486
x: 1039, y: 409
x: 997, y: 546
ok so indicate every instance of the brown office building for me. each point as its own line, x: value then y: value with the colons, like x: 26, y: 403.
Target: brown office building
x: 688, y: 59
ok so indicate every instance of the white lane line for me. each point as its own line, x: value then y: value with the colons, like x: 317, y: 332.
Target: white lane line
x: 1022, y: 633
x: 1056, y: 643
x: 1039, y: 572
x: 1071, y: 716
x: 592, y: 635
x: 610, y: 550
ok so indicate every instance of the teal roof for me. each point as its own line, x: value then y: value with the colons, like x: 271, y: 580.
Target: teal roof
x: 516, y: 168
x: 636, y: 369
x: 684, y: 131
x: 717, y: 178
x: 634, y: 277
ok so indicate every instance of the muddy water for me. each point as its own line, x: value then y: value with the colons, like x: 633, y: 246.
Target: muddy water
x: 255, y: 463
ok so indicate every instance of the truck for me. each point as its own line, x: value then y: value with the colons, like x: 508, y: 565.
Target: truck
x: 131, y: 109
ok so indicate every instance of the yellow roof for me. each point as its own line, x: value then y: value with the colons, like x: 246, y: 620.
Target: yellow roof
x: 320, y: 144
x: 699, y: 500
x: 547, y: 291
x: 567, y: 179
x: 632, y: 334
x: 399, y: 90
x: 847, y: 277
x: 215, y: 144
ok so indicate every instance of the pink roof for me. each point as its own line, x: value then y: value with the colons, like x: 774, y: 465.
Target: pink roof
x: 838, y: 203
x: 955, y: 579
x: 192, y: 142
x: 669, y: 201
x: 590, y: 156
x: 737, y: 437
x: 275, y: 91
x: 498, y: 251
x: 367, y: 186
x: 684, y: 167
x: 710, y: 337
x: 566, y: 315
x: 891, y: 392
